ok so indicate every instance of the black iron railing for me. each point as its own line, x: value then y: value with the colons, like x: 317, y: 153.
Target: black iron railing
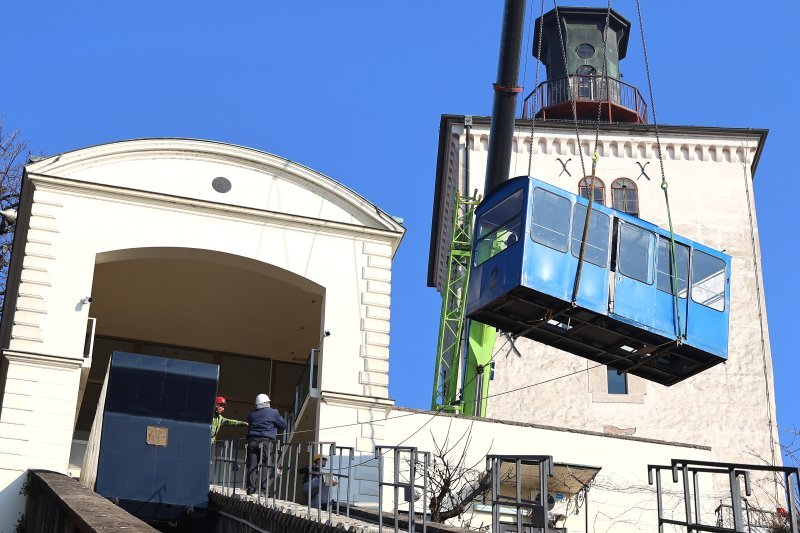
x: 593, y: 88
x: 689, y: 471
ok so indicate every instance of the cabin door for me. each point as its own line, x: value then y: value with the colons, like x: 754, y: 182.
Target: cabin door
x: 666, y: 320
x: 708, y: 328
x: 634, y: 290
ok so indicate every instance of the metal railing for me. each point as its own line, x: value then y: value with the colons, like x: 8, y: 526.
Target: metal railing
x: 275, y: 473
x: 286, y: 472
x: 411, y: 456
x: 689, y: 476
x: 592, y: 88
x: 534, y: 510
x: 226, y: 463
x: 755, y: 520
x: 403, y: 486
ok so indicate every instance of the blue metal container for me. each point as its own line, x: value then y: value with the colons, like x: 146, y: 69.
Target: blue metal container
x: 525, y: 260
x: 154, y: 442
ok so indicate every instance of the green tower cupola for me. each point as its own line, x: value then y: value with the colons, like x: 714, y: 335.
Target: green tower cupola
x: 576, y: 80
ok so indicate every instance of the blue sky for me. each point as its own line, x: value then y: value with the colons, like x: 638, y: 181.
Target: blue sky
x: 355, y: 90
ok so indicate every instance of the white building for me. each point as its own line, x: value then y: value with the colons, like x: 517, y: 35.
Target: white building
x: 217, y: 253
x: 729, y: 408
x: 188, y: 249
x: 710, y: 171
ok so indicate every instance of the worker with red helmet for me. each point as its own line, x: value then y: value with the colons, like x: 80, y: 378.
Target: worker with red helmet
x: 218, y: 421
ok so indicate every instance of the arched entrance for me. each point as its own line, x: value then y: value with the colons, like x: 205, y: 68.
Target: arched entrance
x: 256, y: 321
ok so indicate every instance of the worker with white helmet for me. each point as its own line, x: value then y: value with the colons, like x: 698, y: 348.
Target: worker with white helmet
x: 264, y: 423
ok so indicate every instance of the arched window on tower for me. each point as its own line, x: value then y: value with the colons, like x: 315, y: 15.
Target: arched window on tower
x: 599, y: 189
x: 586, y: 82
x: 625, y: 196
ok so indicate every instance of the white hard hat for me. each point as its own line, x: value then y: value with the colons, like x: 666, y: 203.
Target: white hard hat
x: 261, y: 400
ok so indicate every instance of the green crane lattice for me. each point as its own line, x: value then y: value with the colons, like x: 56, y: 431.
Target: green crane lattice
x: 451, y: 328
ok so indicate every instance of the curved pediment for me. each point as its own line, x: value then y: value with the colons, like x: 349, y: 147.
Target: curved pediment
x: 217, y: 172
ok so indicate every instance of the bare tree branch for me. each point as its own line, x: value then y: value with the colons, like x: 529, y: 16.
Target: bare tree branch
x: 12, y: 162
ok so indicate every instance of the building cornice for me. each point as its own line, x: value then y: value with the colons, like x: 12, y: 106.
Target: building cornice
x: 355, y: 400
x: 39, y: 359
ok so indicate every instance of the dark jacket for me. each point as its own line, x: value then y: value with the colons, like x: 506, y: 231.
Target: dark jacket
x: 314, y: 488
x: 265, y: 422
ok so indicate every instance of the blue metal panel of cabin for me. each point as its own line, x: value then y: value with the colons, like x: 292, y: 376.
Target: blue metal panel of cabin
x: 496, y: 260
x: 634, y: 280
x: 709, y: 301
x: 153, y: 481
x: 553, y: 247
x: 593, y: 289
x: 665, y: 318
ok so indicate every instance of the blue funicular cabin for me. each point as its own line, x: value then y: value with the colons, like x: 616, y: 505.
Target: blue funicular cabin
x: 526, y: 246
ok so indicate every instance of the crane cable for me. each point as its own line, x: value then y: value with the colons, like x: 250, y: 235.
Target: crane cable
x: 664, y: 185
x: 570, y: 92
x: 595, y: 157
x: 536, y: 85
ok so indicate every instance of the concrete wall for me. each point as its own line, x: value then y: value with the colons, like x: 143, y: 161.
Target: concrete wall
x: 731, y: 407
x: 620, y: 499
x: 140, y: 198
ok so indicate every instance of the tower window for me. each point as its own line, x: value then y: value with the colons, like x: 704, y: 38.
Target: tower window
x: 586, y: 82
x: 585, y: 186
x: 584, y: 50
x: 617, y: 383
x: 625, y: 196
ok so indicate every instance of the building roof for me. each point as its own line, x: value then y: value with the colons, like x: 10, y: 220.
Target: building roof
x: 616, y: 22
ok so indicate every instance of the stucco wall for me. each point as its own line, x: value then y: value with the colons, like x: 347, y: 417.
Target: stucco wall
x: 620, y: 500
x: 145, y: 197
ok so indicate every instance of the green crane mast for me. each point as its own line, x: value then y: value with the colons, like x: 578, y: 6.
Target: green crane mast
x: 447, y: 394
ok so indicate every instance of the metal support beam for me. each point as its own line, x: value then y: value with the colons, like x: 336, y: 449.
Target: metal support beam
x: 501, y: 131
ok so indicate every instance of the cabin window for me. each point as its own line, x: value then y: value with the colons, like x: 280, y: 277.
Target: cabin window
x: 708, y: 280
x: 664, y: 267
x: 625, y: 196
x: 635, y: 253
x: 550, y: 220
x: 499, y: 227
x: 597, y: 239
x: 585, y: 186
x: 617, y: 383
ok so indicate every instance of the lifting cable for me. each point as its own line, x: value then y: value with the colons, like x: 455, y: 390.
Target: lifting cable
x: 536, y: 82
x: 570, y: 92
x: 588, y: 220
x: 664, y: 185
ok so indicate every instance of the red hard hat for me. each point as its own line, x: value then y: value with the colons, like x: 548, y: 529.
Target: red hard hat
x: 220, y: 400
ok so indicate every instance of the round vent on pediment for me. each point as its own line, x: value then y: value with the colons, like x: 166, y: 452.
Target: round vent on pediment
x: 221, y: 184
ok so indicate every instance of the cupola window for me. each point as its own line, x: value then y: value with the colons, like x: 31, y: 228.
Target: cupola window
x: 584, y: 50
